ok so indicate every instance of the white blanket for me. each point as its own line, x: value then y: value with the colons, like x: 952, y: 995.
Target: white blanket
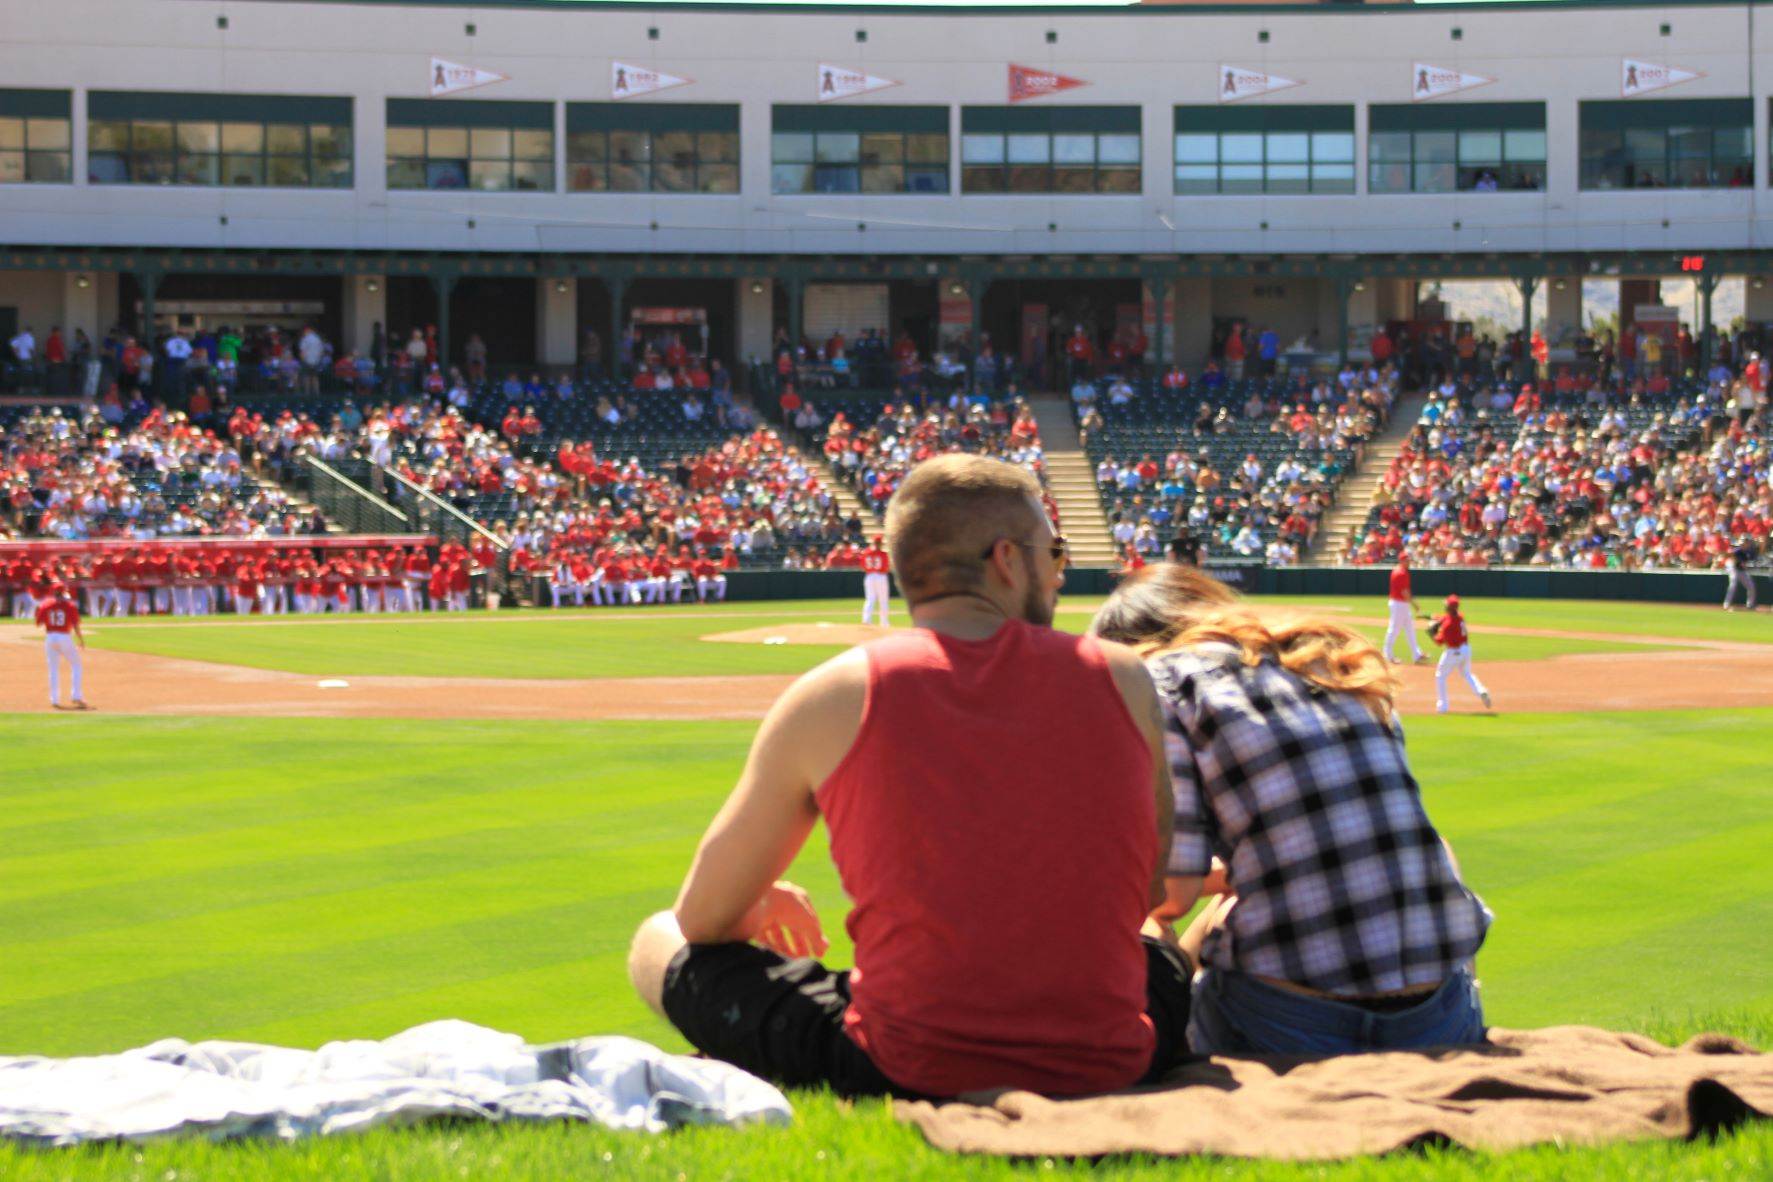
x: 440, y: 1069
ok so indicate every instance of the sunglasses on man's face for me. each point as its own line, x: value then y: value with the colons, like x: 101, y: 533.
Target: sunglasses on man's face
x: 1059, y: 549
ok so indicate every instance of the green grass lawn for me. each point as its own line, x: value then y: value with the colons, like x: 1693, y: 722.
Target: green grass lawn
x: 295, y: 880
x: 666, y: 641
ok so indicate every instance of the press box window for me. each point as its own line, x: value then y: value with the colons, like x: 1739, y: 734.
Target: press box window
x: 652, y: 148
x: 1667, y: 144
x: 877, y: 150
x: 1456, y: 148
x: 1281, y: 149
x: 1055, y: 150
x: 489, y: 147
x: 218, y: 140
x: 35, y: 137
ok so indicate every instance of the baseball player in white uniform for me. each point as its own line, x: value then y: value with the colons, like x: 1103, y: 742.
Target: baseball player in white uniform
x: 1402, y: 607
x: 1449, y: 632
x: 876, y: 583
x: 60, y: 621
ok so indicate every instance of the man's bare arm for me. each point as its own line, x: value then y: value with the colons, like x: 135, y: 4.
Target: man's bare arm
x: 766, y: 820
x: 1134, y: 682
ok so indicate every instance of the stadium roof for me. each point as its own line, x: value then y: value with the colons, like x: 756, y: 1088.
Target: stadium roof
x: 961, y: 7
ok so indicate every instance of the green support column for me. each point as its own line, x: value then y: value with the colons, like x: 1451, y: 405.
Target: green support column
x: 617, y: 287
x: 1159, y: 292
x: 1707, y: 285
x: 795, y: 287
x: 976, y: 287
x: 149, y: 282
x: 1342, y: 289
x: 1527, y: 287
x: 442, y: 286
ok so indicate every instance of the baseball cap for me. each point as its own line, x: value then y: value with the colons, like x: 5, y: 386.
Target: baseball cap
x: 1452, y: 601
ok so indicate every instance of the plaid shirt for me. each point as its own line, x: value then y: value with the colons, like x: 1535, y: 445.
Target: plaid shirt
x: 1343, y: 884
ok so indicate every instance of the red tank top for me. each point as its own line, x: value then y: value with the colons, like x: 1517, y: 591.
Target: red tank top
x: 994, y: 825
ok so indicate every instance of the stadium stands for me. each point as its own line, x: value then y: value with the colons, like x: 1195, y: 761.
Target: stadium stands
x: 1602, y: 482
x: 1246, y: 468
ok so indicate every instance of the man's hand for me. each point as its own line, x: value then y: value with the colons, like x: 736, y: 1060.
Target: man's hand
x: 784, y: 921
x: 1216, y: 882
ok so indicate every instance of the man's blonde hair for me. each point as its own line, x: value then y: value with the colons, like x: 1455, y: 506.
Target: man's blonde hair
x: 948, y: 513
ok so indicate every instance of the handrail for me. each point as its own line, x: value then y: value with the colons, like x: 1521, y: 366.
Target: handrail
x: 461, y: 519
x: 316, y: 464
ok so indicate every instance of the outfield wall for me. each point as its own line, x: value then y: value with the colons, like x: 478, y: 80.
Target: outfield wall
x: 1430, y: 584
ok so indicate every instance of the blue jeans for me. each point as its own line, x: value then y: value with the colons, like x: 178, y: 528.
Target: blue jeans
x: 1234, y: 1013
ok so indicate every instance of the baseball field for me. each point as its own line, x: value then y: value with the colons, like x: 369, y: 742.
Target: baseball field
x: 297, y: 830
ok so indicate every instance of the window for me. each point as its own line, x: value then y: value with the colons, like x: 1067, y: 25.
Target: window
x: 859, y: 149
x: 35, y: 144
x: 488, y: 146
x: 652, y: 148
x: 1667, y: 144
x: 234, y: 140
x: 1050, y: 150
x: 1456, y: 148
x: 1273, y: 149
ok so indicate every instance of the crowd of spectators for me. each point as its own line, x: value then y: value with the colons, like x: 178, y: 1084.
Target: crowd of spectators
x: 873, y: 453
x: 1239, y: 469
x: 74, y: 476
x: 1586, y: 480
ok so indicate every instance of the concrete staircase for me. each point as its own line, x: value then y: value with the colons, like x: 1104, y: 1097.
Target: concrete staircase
x: 1350, y: 511
x: 298, y: 500
x: 1072, y: 481
x: 848, y: 503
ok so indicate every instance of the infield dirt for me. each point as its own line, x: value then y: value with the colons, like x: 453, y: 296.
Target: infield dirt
x: 1692, y: 674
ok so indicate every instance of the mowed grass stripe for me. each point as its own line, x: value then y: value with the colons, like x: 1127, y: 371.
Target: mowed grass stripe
x: 1694, y: 960
x: 666, y: 643
x: 575, y: 770
x: 393, y: 934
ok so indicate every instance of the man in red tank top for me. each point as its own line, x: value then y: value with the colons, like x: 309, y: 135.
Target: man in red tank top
x: 999, y: 808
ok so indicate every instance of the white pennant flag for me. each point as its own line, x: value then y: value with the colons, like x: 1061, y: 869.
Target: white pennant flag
x: 1237, y: 83
x: 1636, y: 77
x: 1428, y: 81
x: 627, y: 80
x: 839, y: 82
x: 449, y: 77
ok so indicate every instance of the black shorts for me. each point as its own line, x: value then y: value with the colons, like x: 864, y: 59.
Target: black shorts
x: 783, y: 1019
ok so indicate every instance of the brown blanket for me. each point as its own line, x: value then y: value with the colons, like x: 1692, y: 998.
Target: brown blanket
x: 1573, y: 1084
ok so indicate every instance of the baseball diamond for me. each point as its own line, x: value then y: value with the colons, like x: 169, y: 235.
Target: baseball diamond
x: 928, y: 566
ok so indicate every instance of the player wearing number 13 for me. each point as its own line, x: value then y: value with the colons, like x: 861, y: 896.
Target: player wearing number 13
x: 60, y: 621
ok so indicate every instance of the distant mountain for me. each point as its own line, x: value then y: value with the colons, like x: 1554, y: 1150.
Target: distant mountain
x: 1500, y: 301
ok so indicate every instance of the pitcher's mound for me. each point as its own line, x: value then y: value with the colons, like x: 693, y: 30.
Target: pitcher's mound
x: 834, y: 635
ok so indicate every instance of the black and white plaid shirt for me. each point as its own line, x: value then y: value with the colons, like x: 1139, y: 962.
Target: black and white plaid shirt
x: 1342, y: 883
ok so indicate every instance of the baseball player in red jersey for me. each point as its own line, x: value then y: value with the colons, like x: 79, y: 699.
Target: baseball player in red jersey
x: 60, y: 621
x: 1449, y: 632
x: 1402, y: 606
x: 876, y: 586
x: 710, y: 583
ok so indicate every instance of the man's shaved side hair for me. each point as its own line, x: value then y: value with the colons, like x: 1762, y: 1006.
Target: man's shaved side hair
x: 948, y: 513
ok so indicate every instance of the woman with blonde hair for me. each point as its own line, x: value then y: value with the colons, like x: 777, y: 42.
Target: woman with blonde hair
x: 1344, y: 925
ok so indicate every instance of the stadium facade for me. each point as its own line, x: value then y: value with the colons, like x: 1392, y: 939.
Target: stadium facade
x: 534, y: 170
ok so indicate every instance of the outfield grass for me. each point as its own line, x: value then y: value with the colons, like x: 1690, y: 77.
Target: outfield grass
x: 666, y: 641
x: 297, y: 880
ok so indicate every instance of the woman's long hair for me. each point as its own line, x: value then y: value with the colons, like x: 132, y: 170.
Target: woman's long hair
x: 1169, y: 606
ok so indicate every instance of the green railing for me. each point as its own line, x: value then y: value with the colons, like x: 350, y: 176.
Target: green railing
x: 348, y: 504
